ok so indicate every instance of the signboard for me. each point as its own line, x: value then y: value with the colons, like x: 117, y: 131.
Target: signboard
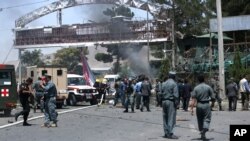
x: 234, y: 23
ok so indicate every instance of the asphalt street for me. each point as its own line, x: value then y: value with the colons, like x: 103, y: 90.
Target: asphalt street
x: 108, y: 123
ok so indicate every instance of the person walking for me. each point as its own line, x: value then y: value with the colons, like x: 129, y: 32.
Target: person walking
x: 39, y: 93
x: 202, y: 95
x: 244, y: 91
x: 158, y: 93
x: 231, y: 93
x: 214, y: 83
x: 187, y: 89
x: 25, y: 91
x: 145, y: 92
x: 170, y: 98
x: 138, y: 92
x: 50, y: 102
x: 130, y: 95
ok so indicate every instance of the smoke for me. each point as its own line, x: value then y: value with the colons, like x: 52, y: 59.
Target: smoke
x: 137, y: 59
x: 95, y: 12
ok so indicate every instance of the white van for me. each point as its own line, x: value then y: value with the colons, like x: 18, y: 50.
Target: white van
x: 111, y: 78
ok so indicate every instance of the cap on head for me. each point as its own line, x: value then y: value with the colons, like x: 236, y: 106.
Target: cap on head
x: 171, y: 74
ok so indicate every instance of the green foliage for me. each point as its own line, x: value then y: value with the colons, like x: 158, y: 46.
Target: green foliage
x: 68, y: 57
x: 105, y: 58
x: 157, y: 51
x: 31, y: 58
x: 236, y: 70
x: 164, y: 69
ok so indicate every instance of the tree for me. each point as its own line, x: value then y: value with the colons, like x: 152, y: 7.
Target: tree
x: 31, y: 58
x: 69, y: 57
x: 164, y: 69
x: 116, y: 28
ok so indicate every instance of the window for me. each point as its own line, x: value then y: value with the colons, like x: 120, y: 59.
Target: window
x: 59, y: 72
x: 44, y: 72
x: 5, y: 78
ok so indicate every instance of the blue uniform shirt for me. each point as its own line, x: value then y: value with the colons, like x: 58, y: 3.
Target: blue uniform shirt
x: 50, y: 88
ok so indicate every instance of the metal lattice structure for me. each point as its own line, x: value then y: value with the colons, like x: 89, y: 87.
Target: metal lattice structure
x: 153, y: 8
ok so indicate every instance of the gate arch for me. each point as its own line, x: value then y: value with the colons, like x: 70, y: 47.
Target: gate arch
x: 153, y: 8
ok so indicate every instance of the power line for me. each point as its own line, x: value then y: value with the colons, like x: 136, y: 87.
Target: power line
x: 22, y: 5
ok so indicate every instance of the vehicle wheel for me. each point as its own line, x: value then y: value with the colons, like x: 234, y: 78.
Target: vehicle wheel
x: 93, y: 102
x: 7, y: 112
x: 72, y: 100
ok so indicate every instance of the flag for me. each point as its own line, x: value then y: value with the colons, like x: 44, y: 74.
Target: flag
x: 87, y: 73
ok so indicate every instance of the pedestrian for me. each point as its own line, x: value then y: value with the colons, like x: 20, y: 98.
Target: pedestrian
x: 145, y: 92
x: 170, y: 100
x: 202, y: 94
x: 39, y: 93
x: 50, y: 102
x: 158, y: 93
x: 214, y: 83
x: 181, y: 91
x: 130, y: 95
x: 187, y: 89
x: 138, y: 91
x: 25, y: 91
x: 117, y: 91
x: 231, y: 93
x: 244, y: 91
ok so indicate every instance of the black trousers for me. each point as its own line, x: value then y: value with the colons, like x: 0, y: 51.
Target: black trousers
x: 245, y: 100
x: 145, y: 102
x: 232, y: 103
x: 185, y: 102
x: 26, y: 108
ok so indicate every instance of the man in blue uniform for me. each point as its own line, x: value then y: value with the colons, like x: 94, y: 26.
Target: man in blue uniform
x: 170, y: 98
x: 50, y: 102
x: 202, y: 94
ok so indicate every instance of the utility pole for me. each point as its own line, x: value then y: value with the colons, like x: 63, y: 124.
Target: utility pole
x: 221, y: 50
x: 173, y: 36
x: 147, y: 34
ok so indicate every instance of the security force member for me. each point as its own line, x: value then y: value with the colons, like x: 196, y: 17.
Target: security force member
x: 202, y: 94
x: 50, y: 102
x: 170, y: 97
x: 25, y: 92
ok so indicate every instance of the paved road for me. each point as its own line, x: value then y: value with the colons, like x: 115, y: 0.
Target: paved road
x: 107, y: 123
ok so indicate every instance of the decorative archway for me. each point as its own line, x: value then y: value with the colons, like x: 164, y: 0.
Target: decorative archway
x: 153, y: 8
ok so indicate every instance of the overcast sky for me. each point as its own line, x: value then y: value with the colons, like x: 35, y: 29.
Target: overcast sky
x: 13, y: 9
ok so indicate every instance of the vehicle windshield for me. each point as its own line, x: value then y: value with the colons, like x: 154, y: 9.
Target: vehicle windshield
x: 5, y: 78
x: 76, y: 81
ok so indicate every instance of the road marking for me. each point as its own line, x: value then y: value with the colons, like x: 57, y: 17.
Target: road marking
x: 41, y: 116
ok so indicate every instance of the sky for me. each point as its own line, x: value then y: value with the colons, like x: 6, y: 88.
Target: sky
x: 11, y: 10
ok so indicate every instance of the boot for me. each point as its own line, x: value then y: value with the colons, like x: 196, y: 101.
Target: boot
x: 203, y: 134
x: 26, y: 124
x: 16, y: 116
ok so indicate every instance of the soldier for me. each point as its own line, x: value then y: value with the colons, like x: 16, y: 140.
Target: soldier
x: 138, y: 92
x: 202, y: 94
x: 187, y: 88
x: 231, y: 92
x: 145, y: 92
x: 25, y: 92
x: 39, y: 93
x: 214, y: 82
x: 50, y: 102
x: 158, y: 93
x: 130, y: 95
x: 170, y: 97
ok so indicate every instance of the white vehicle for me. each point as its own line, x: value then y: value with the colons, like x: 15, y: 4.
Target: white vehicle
x: 78, y: 90
x: 112, y: 78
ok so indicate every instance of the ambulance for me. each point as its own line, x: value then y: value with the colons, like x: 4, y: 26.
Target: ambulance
x: 8, y: 89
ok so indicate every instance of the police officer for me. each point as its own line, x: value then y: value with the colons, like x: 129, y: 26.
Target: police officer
x: 145, y: 92
x: 214, y: 82
x: 130, y: 95
x: 170, y: 97
x: 25, y: 92
x: 202, y: 94
x: 50, y: 102
x: 39, y: 93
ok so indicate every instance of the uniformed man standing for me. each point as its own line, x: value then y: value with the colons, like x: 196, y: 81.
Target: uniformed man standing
x: 170, y: 97
x: 202, y: 94
x: 39, y: 93
x: 50, y: 102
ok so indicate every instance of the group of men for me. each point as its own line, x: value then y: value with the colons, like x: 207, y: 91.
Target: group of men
x: 44, y: 90
x: 134, y: 92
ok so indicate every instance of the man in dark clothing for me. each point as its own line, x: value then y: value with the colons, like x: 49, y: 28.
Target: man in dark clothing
x: 202, y: 94
x: 170, y: 100
x: 231, y: 92
x: 130, y: 94
x: 187, y: 88
x: 145, y: 92
x: 158, y: 93
x: 25, y: 91
x: 39, y: 93
x: 181, y: 91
